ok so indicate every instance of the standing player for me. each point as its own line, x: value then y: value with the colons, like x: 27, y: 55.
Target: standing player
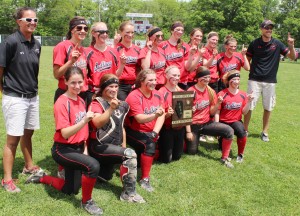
x: 210, y: 58
x: 235, y: 103
x: 71, y: 53
x: 230, y: 59
x: 108, y: 140
x: 19, y: 69
x: 153, y: 56
x: 69, y: 148
x: 127, y: 49
x: 196, y: 37
x: 176, y: 51
x: 264, y: 54
x: 206, y: 104
x: 101, y: 58
x: 145, y: 119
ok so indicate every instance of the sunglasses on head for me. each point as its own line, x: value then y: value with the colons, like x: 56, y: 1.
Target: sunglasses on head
x: 79, y: 28
x: 102, y: 31
x: 29, y: 19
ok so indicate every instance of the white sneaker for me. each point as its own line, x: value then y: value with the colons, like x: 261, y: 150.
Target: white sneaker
x: 210, y: 138
x: 202, y: 138
x: 240, y: 158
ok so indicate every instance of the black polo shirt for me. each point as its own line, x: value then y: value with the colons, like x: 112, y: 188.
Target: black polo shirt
x: 265, y: 59
x: 20, y: 60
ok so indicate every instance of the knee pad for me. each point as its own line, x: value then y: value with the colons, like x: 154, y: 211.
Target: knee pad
x: 150, y: 148
x: 129, y: 153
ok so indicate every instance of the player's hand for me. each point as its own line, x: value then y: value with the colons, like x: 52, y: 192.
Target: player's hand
x: 89, y: 115
x: 190, y: 136
x: 220, y: 99
x: 202, y: 50
x: 123, y: 57
x: 114, y: 103
x: 193, y: 50
x: 250, y: 97
x: 170, y: 110
x: 215, y: 52
x: 244, y: 50
x: 149, y: 44
x: 159, y: 112
x: 290, y: 40
x: 75, y: 54
x: 117, y: 38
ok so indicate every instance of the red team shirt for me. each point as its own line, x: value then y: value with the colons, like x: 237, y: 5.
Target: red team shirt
x: 62, y: 53
x: 225, y: 64
x: 68, y: 112
x: 157, y: 63
x: 213, y: 68
x: 139, y: 104
x: 176, y: 57
x: 202, y: 105
x: 101, y: 63
x: 231, y: 109
x: 167, y: 99
x: 132, y: 54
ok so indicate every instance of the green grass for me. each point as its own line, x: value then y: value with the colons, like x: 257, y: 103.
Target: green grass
x: 267, y: 183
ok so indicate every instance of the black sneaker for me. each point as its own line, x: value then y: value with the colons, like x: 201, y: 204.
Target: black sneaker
x: 35, y: 178
x: 145, y: 184
x: 91, y: 207
x: 134, y: 198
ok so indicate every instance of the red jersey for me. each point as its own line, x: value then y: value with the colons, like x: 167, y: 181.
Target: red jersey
x: 167, y: 99
x: 101, y: 63
x: 62, y: 54
x: 139, y: 104
x: 132, y: 53
x: 202, y: 105
x: 157, y: 63
x: 213, y: 68
x: 231, y: 109
x: 176, y: 57
x: 225, y: 64
x: 68, y: 112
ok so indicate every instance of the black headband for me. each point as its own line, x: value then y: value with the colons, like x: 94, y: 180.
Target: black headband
x: 202, y: 74
x: 176, y: 25
x: 233, y: 76
x: 108, y: 82
x: 78, y: 22
x: 153, y: 31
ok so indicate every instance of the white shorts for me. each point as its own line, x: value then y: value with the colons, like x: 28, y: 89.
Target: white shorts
x: 20, y: 113
x: 267, y: 90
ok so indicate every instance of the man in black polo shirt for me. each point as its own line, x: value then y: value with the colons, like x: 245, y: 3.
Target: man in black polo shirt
x: 264, y: 54
x: 19, y: 68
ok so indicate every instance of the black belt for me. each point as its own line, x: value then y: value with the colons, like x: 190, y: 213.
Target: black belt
x: 14, y: 94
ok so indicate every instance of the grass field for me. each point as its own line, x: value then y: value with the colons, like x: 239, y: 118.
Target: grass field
x: 267, y: 183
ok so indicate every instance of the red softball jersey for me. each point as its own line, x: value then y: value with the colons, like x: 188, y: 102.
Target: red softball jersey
x: 62, y: 53
x: 139, y: 104
x: 192, y: 74
x: 176, y: 57
x: 213, y: 68
x: 231, y: 109
x: 100, y: 63
x: 68, y: 112
x: 157, y: 63
x: 202, y: 105
x: 132, y: 53
x: 225, y: 64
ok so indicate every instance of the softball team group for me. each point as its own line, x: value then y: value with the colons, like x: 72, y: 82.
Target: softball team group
x: 111, y: 96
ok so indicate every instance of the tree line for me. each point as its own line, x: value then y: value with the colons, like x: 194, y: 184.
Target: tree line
x: 238, y: 17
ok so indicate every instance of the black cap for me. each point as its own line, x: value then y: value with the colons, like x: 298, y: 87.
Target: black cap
x: 266, y: 23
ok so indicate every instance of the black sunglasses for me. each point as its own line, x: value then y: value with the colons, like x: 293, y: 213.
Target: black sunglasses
x: 29, y: 19
x: 79, y: 28
x: 268, y: 28
x: 102, y: 31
